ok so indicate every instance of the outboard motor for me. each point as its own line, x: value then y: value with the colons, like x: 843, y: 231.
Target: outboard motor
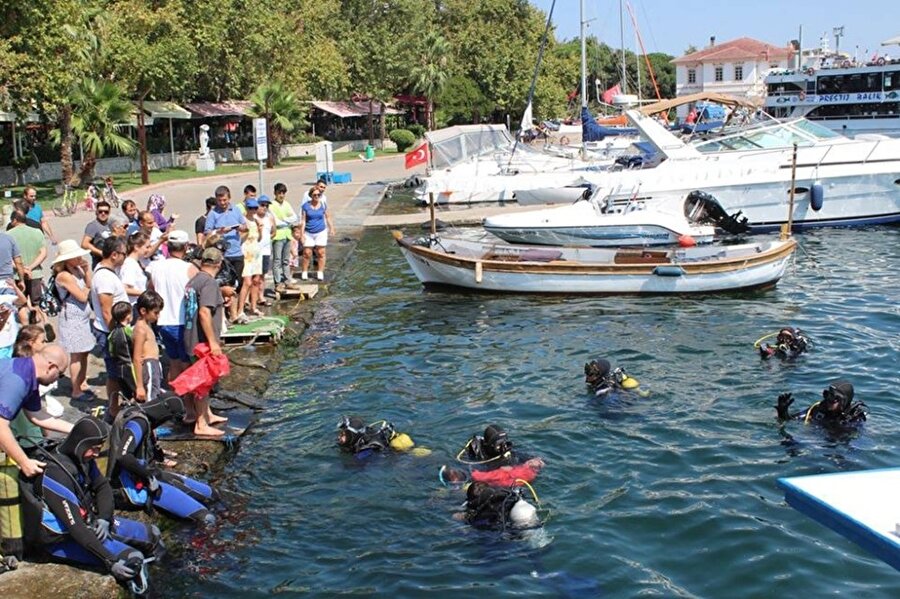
x: 702, y: 208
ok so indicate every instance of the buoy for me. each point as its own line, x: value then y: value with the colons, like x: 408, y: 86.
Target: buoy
x: 630, y: 383
x: 420, y: 452
x: 686, y: 241
x: 816, y: 196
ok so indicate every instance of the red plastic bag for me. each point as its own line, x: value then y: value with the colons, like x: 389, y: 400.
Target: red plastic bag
x: 507, y: 476
x: 201, y: 376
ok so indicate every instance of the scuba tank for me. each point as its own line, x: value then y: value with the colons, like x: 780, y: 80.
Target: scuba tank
x: 11, y: 542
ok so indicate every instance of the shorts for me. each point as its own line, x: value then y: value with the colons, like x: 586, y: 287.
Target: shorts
x: 112, y: 372
x: 267, y: 262
x: 34, y: 289
x: 173, y: 340
x: 319, y: 239
x: 237, y: 265
x: 152, y: 378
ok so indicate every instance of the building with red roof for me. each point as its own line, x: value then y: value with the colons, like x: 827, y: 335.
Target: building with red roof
x: 736, y: 68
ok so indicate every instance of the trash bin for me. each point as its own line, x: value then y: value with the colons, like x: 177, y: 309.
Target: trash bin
x: 370, y: 152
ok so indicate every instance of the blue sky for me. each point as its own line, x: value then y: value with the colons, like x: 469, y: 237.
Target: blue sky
x: 671, y: 26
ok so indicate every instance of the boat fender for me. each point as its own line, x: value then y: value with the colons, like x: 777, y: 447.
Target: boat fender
x: 802, y: 96
x: 668, y: 271
x: 686, y: 241
x: 816, y: 196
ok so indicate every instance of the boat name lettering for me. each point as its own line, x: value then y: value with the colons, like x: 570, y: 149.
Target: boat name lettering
x: 858, y: 97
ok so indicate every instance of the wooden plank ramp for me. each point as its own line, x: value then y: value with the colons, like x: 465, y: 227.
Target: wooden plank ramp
x: 304, y: 291
x: 266, y: 329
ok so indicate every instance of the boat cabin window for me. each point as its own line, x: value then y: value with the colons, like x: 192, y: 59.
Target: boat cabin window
x: 814, y: 129
x: 849, y: 84
x: 891, y: 81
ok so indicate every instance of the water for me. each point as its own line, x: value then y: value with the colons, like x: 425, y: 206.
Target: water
x: 669, y: 495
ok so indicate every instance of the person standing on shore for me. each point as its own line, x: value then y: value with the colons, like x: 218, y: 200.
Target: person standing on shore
x: 200, y: 223
x: 34, y: 252
x: 227, y: 221
x: 93, y: 233
x: 316, y: 223
x: 107, y: 289
x: 285, y: 218
x: 35, y: 215
x: 266, y: 223
x: 73, y: 285
x: 205, y: 327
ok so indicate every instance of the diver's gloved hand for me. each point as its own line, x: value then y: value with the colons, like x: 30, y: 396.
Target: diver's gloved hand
x: 153, y: 484
x: 123, y: 570
x: 784, y: 403
x: 101, y: 529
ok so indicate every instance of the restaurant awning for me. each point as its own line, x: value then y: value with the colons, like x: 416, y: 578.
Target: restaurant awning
x: 165, y: 110
x: 352, y: 109
x: 203, y: 110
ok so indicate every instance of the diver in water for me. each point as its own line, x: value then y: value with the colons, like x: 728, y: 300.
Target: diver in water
x: 789, y: 343
x: 602, y: 379
x: 362, y: 440
x: 836, y: 409
x: 499, y: 508
x: 491, y: 450
x: 68, y: 510
x: 135, y: 468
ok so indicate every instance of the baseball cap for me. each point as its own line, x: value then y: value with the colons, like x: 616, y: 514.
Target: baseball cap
x: 264, y: 199
x: 251, y: 203
x: 212, y: 256
x: 179, y: 237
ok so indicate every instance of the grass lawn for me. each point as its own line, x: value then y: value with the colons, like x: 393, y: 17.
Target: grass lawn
x: 128, y: 181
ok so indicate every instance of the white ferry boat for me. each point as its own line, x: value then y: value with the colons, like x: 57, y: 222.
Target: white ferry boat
x: 838, y: 91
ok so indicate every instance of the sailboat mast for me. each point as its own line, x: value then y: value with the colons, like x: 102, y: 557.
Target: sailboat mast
x: 622, y: 36
x: 584, y: 96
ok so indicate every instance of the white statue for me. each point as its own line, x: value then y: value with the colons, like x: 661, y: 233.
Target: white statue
x: 204, y: 141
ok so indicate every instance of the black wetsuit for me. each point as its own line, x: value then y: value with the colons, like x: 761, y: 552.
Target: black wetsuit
x: 489, y: 507
x: 363, y: 440
x: 789, y: 344
x: 847, y: 414
x: 133, y: 464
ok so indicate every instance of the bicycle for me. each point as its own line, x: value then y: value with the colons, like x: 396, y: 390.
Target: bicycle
x: 68, y: 204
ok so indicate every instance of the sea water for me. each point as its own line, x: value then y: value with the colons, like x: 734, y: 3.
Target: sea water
x: 672, y: 494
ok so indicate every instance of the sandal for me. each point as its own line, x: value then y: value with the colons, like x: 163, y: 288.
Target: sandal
x: 169, y: 463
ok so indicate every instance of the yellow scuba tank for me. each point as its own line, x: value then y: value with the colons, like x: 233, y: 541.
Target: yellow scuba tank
x: 10, y: 511
x: 403, y: 442
x: 630, y: 383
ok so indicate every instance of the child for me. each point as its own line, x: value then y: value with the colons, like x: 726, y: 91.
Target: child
x: 145, y: 362
x: 296, y: 241
x: 11, y: 298
x: 120, y: 347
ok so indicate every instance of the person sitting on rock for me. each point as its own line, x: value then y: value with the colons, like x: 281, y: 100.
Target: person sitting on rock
x: 789, y: 344
x: 135, y: 467
x: 362, y: 440
x: 835, y: 410
x: 68, y: 510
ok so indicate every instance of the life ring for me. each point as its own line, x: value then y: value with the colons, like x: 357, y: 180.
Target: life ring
x: 563, y: 141
x: 810, y: 71
x: 880, y: 62
x: 802, y: 96
x: 845, y: 64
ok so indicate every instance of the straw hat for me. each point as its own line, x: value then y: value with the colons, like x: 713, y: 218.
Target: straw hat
x: 69, y: 249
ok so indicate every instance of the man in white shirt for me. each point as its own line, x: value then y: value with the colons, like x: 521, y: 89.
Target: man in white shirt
x: 106, y: 290
x: 320, y: 186
x: 169, y: 278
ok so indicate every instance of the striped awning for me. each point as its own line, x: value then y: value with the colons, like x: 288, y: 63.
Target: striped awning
x: 165, y: 110
x: 205, y: 110
x: 352, y: 109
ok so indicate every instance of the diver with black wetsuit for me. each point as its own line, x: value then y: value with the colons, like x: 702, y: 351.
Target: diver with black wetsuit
x: 362, y: 440
x: 68, y: 509
x: 789, y: 344
x: 836, y: 409
x: 134, y: 467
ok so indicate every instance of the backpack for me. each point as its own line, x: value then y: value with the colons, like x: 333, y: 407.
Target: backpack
x: 191, y: 306
x: 50, y: 302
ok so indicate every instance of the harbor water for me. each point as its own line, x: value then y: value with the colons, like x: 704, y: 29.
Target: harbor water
x: 669, y: 494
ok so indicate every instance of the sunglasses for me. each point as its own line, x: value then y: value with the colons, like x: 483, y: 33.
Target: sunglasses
x: 103, y: 212
x: 314, y: 195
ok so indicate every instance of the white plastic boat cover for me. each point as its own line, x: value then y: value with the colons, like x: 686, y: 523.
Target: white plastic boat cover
x: 454, y: 145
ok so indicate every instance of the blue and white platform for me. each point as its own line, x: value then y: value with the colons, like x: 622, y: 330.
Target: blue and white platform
x: 862, y: 506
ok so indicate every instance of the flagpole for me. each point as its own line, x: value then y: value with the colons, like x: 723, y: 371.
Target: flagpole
x: 537, y: 69
x: 584, y: 98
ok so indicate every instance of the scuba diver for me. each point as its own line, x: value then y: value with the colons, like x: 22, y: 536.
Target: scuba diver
x: 362, y: 440
x: 836, y: 409
x: 492, y: 450
x: 498, y: 508
x: 68, y: 510
x: 134, y: 466
x: 602, y: 379
x: 789, y: 343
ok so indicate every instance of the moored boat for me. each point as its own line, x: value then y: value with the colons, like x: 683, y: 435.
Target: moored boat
x: 501, y: 267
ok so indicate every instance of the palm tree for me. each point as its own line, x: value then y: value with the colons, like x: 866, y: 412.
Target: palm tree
x: 281, y: 110
x: 430, y: 74
x: 99, y: 108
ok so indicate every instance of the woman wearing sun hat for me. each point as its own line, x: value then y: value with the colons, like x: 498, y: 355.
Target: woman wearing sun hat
x: 73, y: 286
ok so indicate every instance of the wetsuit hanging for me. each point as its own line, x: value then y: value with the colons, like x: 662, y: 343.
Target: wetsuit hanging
x: 136, y: 473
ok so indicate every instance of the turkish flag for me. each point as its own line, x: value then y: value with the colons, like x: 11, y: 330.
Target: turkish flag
x: 612, y: 92
x: 417, y: 156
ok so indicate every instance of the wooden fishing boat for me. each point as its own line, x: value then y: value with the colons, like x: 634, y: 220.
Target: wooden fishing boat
x: 501, y: 267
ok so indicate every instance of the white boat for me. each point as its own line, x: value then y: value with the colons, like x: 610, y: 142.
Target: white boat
x: 499, y: 267
x: 842, y: 93
x: 586, y: 223
x: 839, y: 182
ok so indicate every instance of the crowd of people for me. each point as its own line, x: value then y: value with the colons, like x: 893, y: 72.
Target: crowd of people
x: 139, y: 292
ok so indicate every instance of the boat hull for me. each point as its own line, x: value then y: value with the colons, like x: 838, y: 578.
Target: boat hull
x: 754, y: 270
